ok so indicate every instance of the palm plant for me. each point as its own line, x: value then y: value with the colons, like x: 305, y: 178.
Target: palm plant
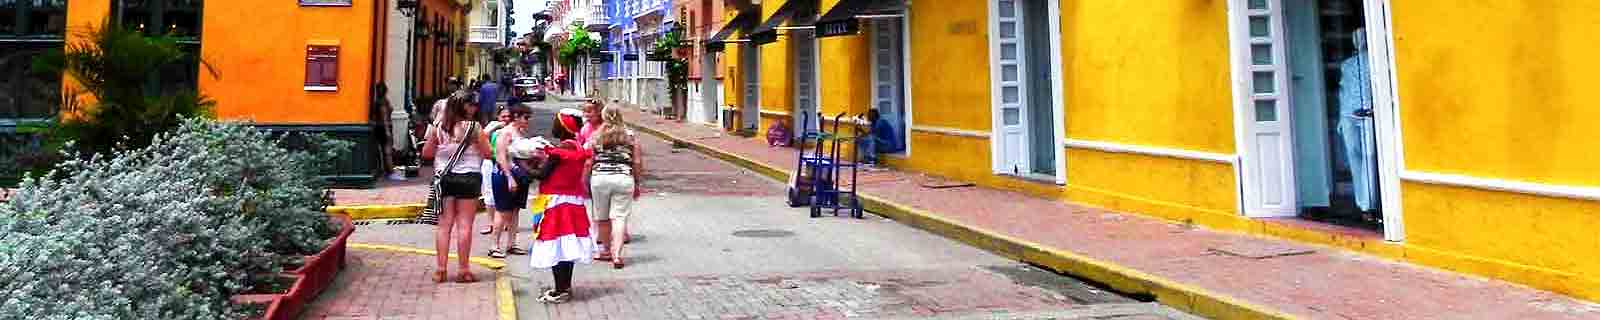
x: 114, y: 101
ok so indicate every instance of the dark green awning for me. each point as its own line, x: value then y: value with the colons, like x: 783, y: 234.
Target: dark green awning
x: 841, y: 20
x: 794, y: 12
x: 741, y: 22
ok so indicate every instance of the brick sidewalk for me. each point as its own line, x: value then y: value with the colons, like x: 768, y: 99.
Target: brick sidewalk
x: 389, y: 285
x: 1323, y: 283
x: 410, y: 191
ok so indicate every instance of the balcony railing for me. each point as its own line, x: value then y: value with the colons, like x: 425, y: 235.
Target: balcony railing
x: 597, y: 16
x: 484, y: 34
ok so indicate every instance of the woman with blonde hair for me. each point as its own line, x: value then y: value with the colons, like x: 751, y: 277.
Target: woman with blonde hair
x: 617, y: 169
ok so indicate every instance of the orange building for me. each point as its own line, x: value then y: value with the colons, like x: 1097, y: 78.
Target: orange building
x: 294, y: 66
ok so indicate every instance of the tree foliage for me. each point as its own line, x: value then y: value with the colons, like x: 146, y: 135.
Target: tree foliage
x: 116, y: 101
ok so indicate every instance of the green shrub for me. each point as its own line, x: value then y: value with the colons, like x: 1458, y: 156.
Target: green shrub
x: 170, y: 231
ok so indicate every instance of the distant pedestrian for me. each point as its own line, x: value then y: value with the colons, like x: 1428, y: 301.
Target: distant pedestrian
x: 488, y: 94
x: 617, y: 170
x: 563, y: 233
x: 459, y: 141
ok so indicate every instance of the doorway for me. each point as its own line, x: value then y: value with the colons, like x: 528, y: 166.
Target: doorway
x: 1311, y: 134
x: 803, y: 47
x: 887, y: 40
x: 1026, y: 113
x: 710, y: 85
x: 750, y: 63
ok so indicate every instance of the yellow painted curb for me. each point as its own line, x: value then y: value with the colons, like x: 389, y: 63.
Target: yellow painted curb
x: 505, y: 302
x: 371, y: 212
x: 480, y: 261
x: 1187, y: 298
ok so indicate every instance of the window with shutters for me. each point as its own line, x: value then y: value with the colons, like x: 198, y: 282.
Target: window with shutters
x: 322, y: 68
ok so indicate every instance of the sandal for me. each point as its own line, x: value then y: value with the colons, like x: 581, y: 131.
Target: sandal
x: 616, y: 263
x: 551, y: 297
x: 602, y: 257
x: 517, y: 251
x: 466, y: 278
x: 438, y: 276
x: 497, y: 254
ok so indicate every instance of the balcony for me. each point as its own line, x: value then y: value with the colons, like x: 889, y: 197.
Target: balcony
x: 597, y: 19
x: 486, y: 35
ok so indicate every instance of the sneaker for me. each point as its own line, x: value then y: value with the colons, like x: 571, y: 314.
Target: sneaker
x: 551, y: 297
x: 397, y: 176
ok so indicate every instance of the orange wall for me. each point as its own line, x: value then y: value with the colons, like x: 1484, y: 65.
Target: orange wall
x: 258, y: 49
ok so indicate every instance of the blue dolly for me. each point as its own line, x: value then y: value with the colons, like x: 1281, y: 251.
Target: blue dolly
x: 821, y: 171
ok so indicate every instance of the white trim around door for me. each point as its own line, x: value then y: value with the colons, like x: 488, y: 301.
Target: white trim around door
x: 1058, y: 91
x: 1385, y: 100
x: 1386, y: 113
x: 905, y: 78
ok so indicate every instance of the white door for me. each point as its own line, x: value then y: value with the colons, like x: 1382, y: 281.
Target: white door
x: 1269, y: 151
x: 887, y: 75
x: 751, y: 56
x: 1012, y: 86
x: 805, y: 82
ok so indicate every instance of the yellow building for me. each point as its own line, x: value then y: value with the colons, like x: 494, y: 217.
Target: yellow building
x: 307, y: 65
x: 1430, y: 132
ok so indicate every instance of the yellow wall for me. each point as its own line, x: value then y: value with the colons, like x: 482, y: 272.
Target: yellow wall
x: 1159, y: 78
x: 843, y: 62
x: 1501, y: 90
x: 776, y: 94
x: 262, y: 79
x: 949, y: 75
x: 1482, y: 85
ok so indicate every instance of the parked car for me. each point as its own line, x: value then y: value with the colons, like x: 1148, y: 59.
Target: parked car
x: 528, y: 88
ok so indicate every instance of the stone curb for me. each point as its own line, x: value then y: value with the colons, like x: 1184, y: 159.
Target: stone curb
x: 505, y: 301
x: 1190, y: 299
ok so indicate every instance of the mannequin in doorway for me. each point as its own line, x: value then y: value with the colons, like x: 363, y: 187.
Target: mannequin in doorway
x: 1356, y: 126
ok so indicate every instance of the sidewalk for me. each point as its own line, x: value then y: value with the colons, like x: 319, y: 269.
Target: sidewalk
x: 1213, y: 274
x: 379, y: 284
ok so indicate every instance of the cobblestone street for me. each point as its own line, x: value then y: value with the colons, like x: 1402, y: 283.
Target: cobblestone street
x: 712, y: 241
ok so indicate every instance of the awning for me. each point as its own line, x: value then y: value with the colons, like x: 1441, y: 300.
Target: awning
x: 841, y: 20
x: 741, y: 22
x: 794, y: 12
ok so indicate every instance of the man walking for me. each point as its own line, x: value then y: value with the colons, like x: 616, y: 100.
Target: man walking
x: 487, y: 95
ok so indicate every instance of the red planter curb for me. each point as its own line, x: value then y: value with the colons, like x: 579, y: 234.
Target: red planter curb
x: 315, y: 275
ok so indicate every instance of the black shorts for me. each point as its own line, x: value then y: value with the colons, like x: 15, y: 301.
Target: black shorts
x: 461, y: 185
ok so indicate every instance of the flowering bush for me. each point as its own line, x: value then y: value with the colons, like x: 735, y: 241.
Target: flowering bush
x: 170, y: 231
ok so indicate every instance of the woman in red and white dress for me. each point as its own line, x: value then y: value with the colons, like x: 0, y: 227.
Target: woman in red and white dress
x: 563, y: 235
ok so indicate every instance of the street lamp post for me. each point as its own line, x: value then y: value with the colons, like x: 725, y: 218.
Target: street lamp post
x: 400, y: 120
x: 408, y: 8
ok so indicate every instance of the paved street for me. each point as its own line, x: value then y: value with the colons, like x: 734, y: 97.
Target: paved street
x: 713, y: 241
x: 716, y: 242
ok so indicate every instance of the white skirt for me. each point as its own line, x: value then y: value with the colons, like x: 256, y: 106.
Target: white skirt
x: 487, y: 171
x: 545, y: 254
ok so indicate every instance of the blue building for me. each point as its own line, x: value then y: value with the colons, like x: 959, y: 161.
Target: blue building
x: 635, y: 26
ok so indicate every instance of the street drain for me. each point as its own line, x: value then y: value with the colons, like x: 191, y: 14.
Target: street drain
x: 763, y: 233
